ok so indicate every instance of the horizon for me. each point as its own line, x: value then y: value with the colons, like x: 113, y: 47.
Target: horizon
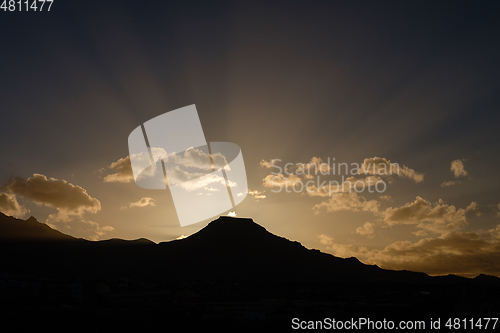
x: 404, y: 96
x: 227, y: 217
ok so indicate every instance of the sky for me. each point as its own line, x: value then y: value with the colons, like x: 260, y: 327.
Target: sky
x: 373, y: 84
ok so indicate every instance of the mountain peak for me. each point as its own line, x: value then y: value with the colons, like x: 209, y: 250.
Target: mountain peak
x: 231, y: 227
x: 32, y: 219
x: 12, y: 228
x: 235, y: 223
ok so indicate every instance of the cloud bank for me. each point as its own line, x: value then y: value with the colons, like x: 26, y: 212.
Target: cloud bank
x: 71, y: 201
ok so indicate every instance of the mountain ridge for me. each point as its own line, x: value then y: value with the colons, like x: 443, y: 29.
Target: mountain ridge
x: 13, y: 228
x: 216, y: 252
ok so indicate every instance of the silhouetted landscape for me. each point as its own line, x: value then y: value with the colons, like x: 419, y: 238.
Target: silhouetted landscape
x: 359, y: 138
x: 233, y: 271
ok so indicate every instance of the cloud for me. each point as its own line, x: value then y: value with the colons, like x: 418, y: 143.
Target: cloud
x: 267, y: 164
x: 71, y: 202
x: 435, y: 217
x: 384, y: 167
x: 420, y: 233
x: 473, y: 207
x: 191, y: 181
x: 325, y: 239
x: 463, y: 253
x: 10, y: 206
x: 197, y: 158
x: 123, y: 171
x: 374, y: 169
x: 366, y: 229
x: 386, y: 198
x: 360, y: 184
x: 189, y: 165
x: 68, y: 199
x: 123, y: 167
x: 143, y: 202
x: 257, y: 194
x: 457, y: 167
x: 428, y: 217
x: 280, y: 180
x: 450, y: 183
x: 449, y: 251
x: 347, y: 201
x: 313, y: 167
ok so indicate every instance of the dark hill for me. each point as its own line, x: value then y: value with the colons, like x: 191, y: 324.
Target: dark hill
x: 30, y: 229
x: 224, y: 274
x: 227, y: 249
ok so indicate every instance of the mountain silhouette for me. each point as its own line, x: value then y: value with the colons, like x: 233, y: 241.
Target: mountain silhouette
x: 227, y: 249
x: 232, y: 274
x: 30, y: 229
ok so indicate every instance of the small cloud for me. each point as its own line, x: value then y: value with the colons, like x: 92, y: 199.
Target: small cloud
x: 257, y: 194
x: 386, y: 198
x: 143, y: 202
x: 383, y: 167
x: 325, y: 239
x: 280, y: 180
x: 420, y: 233
x: 313, y: 167
x: 473, y: 207
x: 457, y: 167
x: 191, y: 181
x: 450, y: 183
x: 181, y: 237
x: 366, y: 230
x: 123, y: 171
x: 232, y: 214
x: 267, y: 164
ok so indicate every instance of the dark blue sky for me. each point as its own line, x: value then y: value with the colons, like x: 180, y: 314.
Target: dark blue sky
x: 340, y: 63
